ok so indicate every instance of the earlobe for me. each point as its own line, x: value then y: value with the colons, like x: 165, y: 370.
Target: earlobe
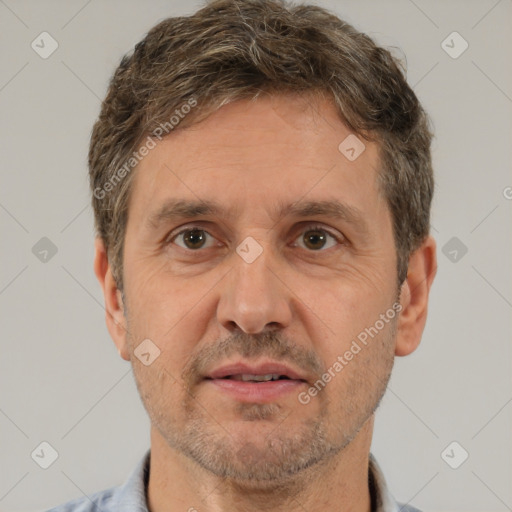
x: 414, y: 297
x: 114, y: 307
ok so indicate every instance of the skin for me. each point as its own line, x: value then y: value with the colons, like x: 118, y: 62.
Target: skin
x: 301, y: 301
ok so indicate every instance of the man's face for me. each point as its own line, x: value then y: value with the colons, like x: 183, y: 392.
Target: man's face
x: 243, y: 290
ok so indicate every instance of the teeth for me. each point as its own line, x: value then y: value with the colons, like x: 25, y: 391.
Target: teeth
x: 258, y: 378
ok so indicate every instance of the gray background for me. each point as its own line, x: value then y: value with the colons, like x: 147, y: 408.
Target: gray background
x: 61, y: 379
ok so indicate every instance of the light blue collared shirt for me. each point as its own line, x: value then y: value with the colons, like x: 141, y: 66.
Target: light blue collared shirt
x: 132, y: 495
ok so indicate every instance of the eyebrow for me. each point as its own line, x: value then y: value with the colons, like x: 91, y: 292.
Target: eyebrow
x: 174, y: 209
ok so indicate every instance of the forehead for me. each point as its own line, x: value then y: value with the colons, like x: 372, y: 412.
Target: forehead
x: 271, y: 150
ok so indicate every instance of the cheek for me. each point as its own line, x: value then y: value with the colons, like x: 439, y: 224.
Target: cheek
x: 352, y: 299
x: 364, y: 363
x: 159, y: 390
x: 173, y: 313
x: 158, y: 300
x: 342, y: 312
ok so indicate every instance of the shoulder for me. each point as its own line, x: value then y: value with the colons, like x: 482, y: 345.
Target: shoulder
x: 130, y: 496
x: 102, y: 500
x: 407, y: 508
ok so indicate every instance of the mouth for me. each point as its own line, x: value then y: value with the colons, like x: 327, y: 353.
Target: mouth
x: 245, y: 377
x: 263, y: 372
x: 256, y: 383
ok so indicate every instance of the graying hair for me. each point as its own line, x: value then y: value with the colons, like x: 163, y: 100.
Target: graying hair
x: 238, y: 49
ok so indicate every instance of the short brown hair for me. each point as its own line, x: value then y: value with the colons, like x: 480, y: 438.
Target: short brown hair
x: 237, y: 49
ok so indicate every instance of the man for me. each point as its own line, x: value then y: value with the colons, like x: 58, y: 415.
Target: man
x: 262, y: 183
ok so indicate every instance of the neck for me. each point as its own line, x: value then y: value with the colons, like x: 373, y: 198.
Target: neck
x: 339, y: 483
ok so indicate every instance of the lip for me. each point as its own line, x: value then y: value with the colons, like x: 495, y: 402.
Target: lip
x: 259, y: 369
x: 256, y: 392
x: 260, y: 392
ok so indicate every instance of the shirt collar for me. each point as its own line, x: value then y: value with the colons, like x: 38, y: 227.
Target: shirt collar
x: 132, y: 495
x: 382, y: 500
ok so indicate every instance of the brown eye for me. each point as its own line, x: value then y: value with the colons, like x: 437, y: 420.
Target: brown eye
x: 316, y: 238
x: 192, y: 239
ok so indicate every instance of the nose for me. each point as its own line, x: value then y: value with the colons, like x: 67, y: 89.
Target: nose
x: 253, y: 297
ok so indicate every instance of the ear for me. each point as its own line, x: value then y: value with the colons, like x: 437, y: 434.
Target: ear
x: 414, y: 297
x: 114, y: 308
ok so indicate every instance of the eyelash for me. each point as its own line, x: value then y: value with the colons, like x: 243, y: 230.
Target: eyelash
x: 314, y: 227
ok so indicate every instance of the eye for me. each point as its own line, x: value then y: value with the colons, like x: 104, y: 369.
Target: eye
x: 313, y: 238
x: 193, y: 238
x: 316, y: 237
